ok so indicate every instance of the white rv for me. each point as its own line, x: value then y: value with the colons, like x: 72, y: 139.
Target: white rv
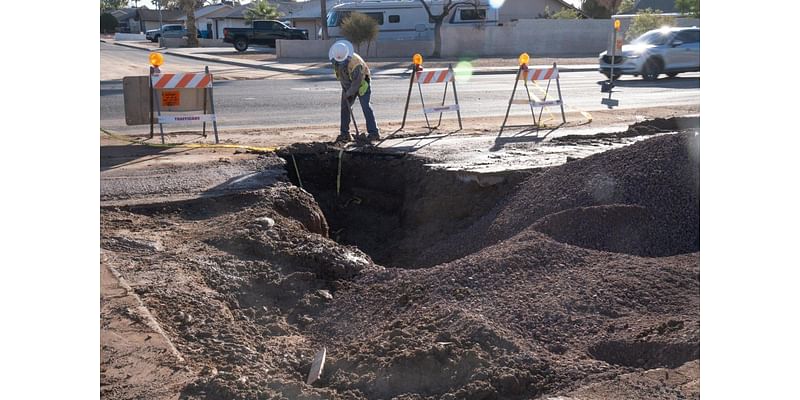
x: 407, y: 19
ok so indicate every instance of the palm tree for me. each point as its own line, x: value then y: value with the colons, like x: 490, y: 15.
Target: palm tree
x: 260, y: 9
x: 187, y: 6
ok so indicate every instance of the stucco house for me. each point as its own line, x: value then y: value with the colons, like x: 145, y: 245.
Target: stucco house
x: 152, y: 19
x: 205, y: 22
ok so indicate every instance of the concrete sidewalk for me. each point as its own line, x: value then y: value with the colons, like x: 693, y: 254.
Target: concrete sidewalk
x: 222, y: 55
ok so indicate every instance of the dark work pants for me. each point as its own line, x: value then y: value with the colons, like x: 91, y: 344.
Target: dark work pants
x: 372, y: 126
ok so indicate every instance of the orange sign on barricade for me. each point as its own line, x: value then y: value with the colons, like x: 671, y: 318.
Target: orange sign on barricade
x: 166, y: 91
x: 433, y: 76
x: 526, y: 74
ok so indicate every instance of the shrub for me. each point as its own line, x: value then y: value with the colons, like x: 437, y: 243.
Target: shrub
x: 647, y: 20
x: 359, y: 28
x: 107, y: 23
x: 566, y: 13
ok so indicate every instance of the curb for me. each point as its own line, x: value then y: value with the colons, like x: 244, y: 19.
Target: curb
x: 317, y: 72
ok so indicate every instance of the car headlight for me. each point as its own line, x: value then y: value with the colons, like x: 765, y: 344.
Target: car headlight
x: 633, y: 55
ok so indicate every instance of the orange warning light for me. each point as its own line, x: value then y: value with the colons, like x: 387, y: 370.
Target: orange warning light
x: 524, y: 58
x: 417, y: 59
x: 616, y: 25
x: 156, y: 59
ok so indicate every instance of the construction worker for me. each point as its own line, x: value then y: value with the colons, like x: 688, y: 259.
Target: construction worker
x: 353, y: 73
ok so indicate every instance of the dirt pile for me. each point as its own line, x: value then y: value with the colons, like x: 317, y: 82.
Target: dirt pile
x: 660, y: 175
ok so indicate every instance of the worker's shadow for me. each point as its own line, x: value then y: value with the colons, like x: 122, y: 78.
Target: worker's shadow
x: 532, y: 134
x: 412, y: 141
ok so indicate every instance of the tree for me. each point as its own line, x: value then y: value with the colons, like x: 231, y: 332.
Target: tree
x: 107, y: 23
x: 626, y: 6
x: 260, y: 9
x: 111, y: 5
x: 611, y: 5
x: 593, y: 9
x: 323, y: 9
x: 688, y: 7
x: 566, y: 13
x: 438, y: 20
x: 646, y: 20
x: 359, y: 28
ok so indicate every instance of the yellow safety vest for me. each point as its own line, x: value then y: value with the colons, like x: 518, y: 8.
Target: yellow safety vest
x: 355, y: 61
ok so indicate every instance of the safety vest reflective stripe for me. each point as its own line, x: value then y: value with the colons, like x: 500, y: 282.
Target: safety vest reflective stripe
x: 183, y: 81
x: 539, y: 74
x: 434, y: 76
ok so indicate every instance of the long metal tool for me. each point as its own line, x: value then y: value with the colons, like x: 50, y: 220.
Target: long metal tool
x: 353, y: 117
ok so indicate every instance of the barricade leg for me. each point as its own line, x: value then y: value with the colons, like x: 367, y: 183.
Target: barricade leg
x: 458, y: 110
x: 408, y: 98
x: 444, y: 98
x: 530, y: 103
x: 422, y: 100
x: 513, y: 92
x: 205, y: 98
x: 561, y: 102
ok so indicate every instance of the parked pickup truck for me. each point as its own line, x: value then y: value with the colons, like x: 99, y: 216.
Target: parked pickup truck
x: 262, y: 32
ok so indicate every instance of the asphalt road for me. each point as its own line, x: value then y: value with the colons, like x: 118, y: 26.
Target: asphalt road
x: 267, y: 103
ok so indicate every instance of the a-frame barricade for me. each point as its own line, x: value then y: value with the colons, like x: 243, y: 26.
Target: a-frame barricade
x: 429, y: 77
x: 165, y: 88
x: 526, y: 74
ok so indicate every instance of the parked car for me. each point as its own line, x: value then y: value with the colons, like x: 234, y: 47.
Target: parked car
x: 262, y: 32
x: 660, y: 51
x: 166, y: 31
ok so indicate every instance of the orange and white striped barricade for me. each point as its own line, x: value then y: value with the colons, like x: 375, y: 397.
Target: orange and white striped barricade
x: 166, y: 92
x: 526, y: 74
x: 434, y: 76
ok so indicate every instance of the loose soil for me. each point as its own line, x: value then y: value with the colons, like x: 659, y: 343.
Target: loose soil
x: 580, y: 281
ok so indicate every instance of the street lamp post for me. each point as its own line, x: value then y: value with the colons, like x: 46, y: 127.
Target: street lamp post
x: 160, y: 18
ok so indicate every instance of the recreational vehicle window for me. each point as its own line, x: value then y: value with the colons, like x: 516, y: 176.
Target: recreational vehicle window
x: 470, y: 14
x: 336, y: 18
x: 393, y: 19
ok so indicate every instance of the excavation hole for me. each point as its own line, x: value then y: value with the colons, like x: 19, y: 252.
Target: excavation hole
x: 392, y: 206
x: 646, y: 355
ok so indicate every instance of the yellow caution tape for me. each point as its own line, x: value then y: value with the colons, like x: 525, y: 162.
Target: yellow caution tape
x: 255, y: 149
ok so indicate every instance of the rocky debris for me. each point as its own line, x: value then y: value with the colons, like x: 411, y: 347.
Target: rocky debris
x: 548, y: 294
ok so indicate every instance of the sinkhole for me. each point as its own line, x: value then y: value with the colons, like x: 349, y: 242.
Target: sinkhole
x: 392, y: 206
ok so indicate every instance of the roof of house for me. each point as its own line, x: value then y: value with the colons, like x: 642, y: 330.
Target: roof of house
x: 667, y: 6
x: 210, y: 11
x: 166, y: 15
x: 125, y: 13
x: 235, y: 12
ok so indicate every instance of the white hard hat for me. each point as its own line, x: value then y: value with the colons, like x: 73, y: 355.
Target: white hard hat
x: 340, y: 50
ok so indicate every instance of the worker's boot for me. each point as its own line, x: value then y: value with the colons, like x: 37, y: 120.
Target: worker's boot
x: 374, y: 136
x: 344, y: 138
x: 361, y: 139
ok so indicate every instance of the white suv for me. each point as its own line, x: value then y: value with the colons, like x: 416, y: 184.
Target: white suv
x: 660, y: 51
